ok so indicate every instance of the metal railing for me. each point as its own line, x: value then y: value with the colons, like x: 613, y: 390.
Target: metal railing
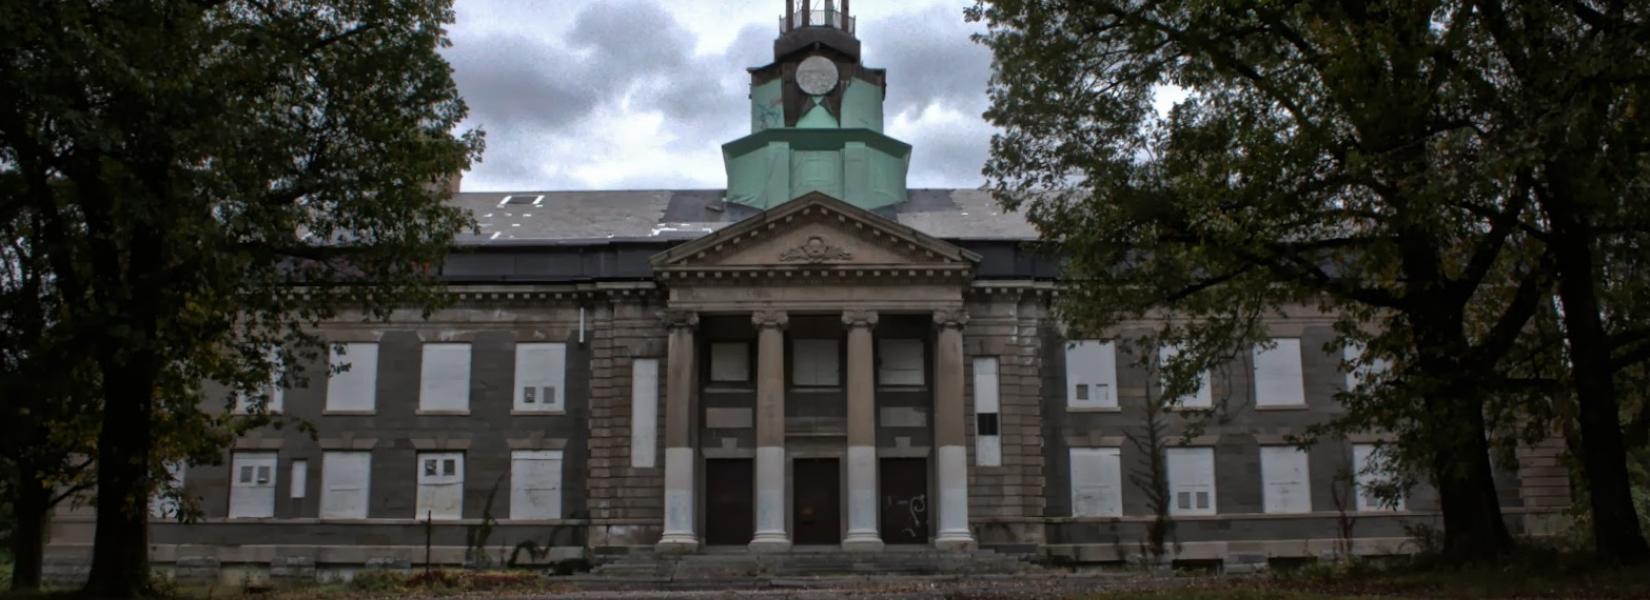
x: 818, y: 18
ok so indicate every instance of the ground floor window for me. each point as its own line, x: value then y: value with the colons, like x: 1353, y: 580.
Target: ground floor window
x: 345, y: 480
x: 535, y: 484
x: 1096, y: 482
x: 1191, y: 480
x: 440, y: 485
x: 252, y: 487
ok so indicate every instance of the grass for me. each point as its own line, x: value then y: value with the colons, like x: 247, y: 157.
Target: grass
x: 1517, y: 580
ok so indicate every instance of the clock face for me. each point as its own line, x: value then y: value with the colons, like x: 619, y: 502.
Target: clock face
x: 816, y: 75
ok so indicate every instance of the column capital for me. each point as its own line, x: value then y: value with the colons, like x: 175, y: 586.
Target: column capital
x: 951, y: 318
x: 770, y: 318
x: 676, y: 318
x: 859, y: 318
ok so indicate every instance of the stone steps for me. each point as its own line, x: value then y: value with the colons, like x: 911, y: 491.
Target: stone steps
x: 800, y: 563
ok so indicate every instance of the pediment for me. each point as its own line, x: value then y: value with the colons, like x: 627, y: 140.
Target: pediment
x: 815, y: 233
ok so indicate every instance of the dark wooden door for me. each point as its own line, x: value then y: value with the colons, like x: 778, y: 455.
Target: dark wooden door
x: 904, y: 496
x: 729, y: 510
x: 817, y: 501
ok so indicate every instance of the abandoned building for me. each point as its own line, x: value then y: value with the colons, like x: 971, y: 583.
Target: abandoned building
x: 816, y: 358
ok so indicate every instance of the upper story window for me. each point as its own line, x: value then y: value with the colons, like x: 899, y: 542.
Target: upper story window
x: 815, y: 363
x: 1278, y: 377
x: 899, y: 361
x: 444, y: 381
x: 353, y: 390
x: 1091, y: 374
x: 1202, y: 397
x: 541, y: 377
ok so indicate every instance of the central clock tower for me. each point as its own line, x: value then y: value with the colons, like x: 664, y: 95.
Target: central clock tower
x: 816, y: 119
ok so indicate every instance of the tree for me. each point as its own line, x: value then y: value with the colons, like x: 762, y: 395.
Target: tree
x: 1331, y: 155
x: 1569, y: 82
x: 49, y: 418
x: 213, y: 178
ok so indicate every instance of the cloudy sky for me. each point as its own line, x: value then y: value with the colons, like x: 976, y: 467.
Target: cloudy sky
x: 640, y: 94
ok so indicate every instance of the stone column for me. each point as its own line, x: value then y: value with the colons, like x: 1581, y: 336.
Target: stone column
x: 770, y: 433
x: 680, y: 533
x: 862, y: 434
x: 952, y: 457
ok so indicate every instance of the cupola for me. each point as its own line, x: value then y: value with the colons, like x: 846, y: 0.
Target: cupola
x: 816, y: 119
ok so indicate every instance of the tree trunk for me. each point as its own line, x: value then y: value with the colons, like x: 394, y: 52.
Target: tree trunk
x: 120, y: 551
x: 30, y: 501
x: 1616, y: 532
x: 1474, y: 530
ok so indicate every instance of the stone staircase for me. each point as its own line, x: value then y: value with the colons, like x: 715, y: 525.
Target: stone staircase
x: 803, y: 567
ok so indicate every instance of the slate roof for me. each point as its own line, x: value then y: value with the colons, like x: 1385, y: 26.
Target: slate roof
x: 590, y: 217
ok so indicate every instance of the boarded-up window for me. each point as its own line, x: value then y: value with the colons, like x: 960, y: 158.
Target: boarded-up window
x: 1362, y: 368
x: 271, y: 396
x: 815, y: 362
x: 1283, y: 473
x: 440, y: 485
x: 644, y: 412
x: 252, y: 485
x: 988, y: 446
x: 1373, y: 471
x: 1091, y: 374
x: 535, y: 484
x: 1096, y: 482
x: 899, y: 362
x: 1199, y: 398
x: 165, y: 503
x: 1191, y: 480
x: 299, y: 481
x: 730, y: 362
x: 541, y: 377
x: 345, y: 481
x: 356, y: 389
x: 444, y: 381
x: 1278, y: 378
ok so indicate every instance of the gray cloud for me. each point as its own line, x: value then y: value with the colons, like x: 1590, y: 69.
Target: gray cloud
x: 541, y: 97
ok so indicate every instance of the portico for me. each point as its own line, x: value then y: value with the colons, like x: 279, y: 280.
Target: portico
x: 774, y: 369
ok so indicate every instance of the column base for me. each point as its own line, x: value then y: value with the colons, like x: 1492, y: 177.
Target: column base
x: 955, y: 542
x: 677, y: 544
x: 770, y: 542
x: 862, y: 542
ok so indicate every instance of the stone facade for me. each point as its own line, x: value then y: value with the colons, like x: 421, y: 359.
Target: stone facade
x: 805, y: 360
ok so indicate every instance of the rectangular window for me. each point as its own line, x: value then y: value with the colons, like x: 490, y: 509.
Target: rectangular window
x: 1357, y: 371
x: 252, y: 490
x: 444, y: 381
x: 541, y: 377
x: 816, y: 363
x: 1191, y: 480
x: 1283, y: 474
x: 988, y: 445
x: 730, y: 362
x: 165, y: 503
x: 440, y: 485
x: 899, y: 362
x: 1372, y: 471
x: 272, y: 394
x: 345, y: 481
x: 1278, y: 378
x: 1091, y: 374
x: 1202, y: 397
x: 299, y: 481
x: 1096, y: 482
x: 356, y: 389
x: 535, y: 484
x: 644, y: 412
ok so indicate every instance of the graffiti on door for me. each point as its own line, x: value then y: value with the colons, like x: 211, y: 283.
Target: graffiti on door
x: 915, y: 510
